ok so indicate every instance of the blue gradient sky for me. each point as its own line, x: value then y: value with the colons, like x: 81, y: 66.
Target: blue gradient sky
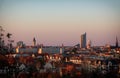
x: 53, y: 22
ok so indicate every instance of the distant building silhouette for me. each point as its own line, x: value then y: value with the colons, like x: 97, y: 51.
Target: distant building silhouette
x: 20, y: 44
x: 116, y: 44
x: 88, y: 44
x: 83, y: 41
x: 40, y: 50
x: 61, y: 49
x: 34, y: 41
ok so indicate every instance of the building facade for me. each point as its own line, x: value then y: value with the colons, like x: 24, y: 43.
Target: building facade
x: 83, y: 41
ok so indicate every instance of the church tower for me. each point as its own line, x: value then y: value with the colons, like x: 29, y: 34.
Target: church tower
x: 61, y: 49
x: 34, y: 41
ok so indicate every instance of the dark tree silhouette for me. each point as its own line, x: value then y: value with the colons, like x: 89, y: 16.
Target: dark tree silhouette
x: 9, y: 35
x: 4, y: 49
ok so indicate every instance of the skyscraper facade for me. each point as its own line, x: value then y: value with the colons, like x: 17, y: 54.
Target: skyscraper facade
x: 83, y: 41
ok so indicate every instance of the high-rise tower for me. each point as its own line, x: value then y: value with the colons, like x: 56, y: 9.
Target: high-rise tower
x: 83, y: 41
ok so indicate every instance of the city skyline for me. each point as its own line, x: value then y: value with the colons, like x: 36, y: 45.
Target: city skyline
x: 61, y: 22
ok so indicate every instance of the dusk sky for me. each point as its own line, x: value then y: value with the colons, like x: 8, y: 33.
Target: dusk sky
x: 53, y: 22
